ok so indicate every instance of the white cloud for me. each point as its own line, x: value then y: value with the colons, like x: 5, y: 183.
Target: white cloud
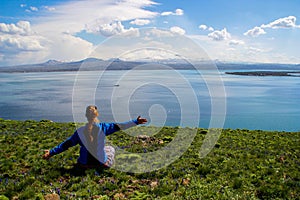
x: 236, y: 42
x: 140, y: 22
x: 19, y: 37
x: 177, y: 12
x: 150, y: 44
x: 203, y: 27
x: 46, y: 38
x: 22, y: 28
x: 286, y: 22
x: 223, y: 51
x: 256, y: 31
x: 67, y: 47
x: 177, y: 30
x: 114, y: 28
x: 220, y: 35
x: 17, y: 43
x: 166, y: 13
x: 158, y: 33
x: 49, y: 8
x: 76, y: 16
x: 32, y: 8
x: 211, y: 29
x: 18, y: 40
x: 252, y: 52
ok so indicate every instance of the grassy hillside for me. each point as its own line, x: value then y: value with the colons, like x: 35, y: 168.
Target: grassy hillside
x: 243, y: 165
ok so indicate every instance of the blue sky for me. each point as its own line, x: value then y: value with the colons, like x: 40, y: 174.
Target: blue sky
x: 33, y: 31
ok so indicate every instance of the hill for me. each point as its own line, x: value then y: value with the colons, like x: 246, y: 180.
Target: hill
x: 243, y: 165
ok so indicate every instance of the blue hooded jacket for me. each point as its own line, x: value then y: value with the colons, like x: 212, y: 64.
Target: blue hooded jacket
x: 92, y: 153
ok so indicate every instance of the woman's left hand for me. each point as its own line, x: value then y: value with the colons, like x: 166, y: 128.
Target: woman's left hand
x: 47, y: 155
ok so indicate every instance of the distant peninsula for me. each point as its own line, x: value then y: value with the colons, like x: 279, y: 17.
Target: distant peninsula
x: 266, y: 73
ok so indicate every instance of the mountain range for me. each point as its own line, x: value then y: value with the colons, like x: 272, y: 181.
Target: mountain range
x: 94, y: 64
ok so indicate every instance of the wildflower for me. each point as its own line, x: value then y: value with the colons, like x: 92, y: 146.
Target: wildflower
x: 185, y: 181
x: 119, y: 196
x: 153, y: 184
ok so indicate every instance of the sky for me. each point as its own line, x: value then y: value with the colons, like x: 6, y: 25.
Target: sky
x: 250, y: 31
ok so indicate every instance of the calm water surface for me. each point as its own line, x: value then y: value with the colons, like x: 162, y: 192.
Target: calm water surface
x: 268, y: 103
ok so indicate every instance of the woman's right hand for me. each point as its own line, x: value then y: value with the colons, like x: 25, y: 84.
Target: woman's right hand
x: 141, y: 120
x: 47, y: 155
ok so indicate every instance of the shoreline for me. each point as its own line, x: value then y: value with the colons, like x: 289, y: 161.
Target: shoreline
x: 150, y: 126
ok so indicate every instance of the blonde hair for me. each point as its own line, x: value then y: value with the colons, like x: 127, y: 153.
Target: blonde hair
x: 91, y: 114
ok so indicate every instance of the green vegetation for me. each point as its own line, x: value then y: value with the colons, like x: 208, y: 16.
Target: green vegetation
x: 243, y: 165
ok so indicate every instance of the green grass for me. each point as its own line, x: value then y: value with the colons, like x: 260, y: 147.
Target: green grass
x: 243, y: 165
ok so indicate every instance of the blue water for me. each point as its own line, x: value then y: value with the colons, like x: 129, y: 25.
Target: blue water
x: 265, y: 103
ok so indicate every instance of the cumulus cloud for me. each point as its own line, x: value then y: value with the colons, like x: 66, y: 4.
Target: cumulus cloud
x: 15, y: 44
x: 177, y: 30
x: 211, y: 29
x: 22, y: 28
x: 203, y: 27
x: 220, y: 35
x: 286, y: 22
x: 17, y: 40
x: 176, y: 12
x: 46, y: 38
x: 68, y: 47
x: 19, y: 37
x: 179, y: 12
x: 114, y: 28
x: 140, y: 22
x: 256, y: 31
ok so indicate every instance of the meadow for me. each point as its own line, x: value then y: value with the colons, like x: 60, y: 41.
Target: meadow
x: 244, y: 164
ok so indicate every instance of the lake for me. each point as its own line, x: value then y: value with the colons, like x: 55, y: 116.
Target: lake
x: 177, y: 98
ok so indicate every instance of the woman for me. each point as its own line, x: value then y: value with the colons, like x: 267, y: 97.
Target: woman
x: 91, y: 138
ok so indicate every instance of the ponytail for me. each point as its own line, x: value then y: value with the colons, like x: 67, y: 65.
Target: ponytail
x: 91, y: 115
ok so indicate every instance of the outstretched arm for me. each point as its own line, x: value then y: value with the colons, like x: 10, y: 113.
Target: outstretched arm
x: 132, y: 123
x: 113, y: 127
x: 71, y: 141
